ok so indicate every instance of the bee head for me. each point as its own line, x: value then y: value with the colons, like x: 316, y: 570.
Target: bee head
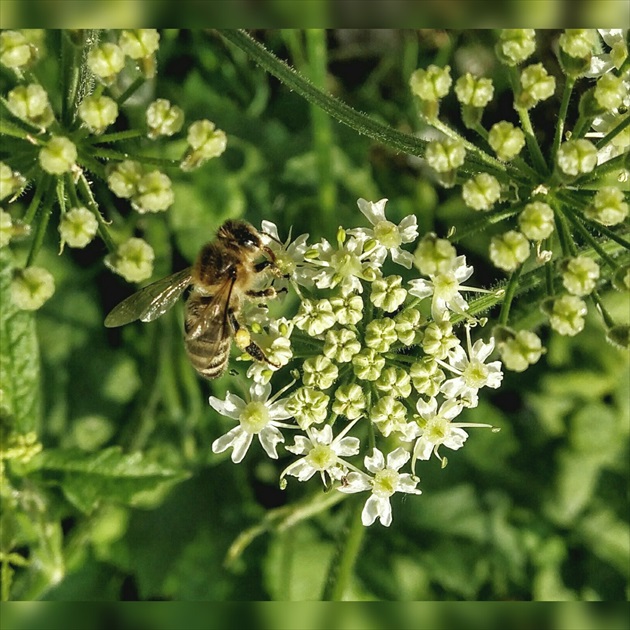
x: 239, y: 235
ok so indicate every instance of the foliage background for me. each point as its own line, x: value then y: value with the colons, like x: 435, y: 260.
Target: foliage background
x: 537, y: 511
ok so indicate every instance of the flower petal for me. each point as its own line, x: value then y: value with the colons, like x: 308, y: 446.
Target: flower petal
x: 355, y: 482
x: 401, y: 257
x: 375, y: 462
x: 231, y: 407
x: 373, y: 212
x: 398, y: 458
x: 421, y: 288
x: 269, y: 439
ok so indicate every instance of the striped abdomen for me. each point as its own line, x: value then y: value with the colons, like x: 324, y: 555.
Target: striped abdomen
x: 208, y: 354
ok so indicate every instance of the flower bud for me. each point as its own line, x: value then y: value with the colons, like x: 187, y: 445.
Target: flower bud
x: 98, y: 113
x: 30, y: 103
x: 481, y: 192
x: 434, y: 255
x: 347, y: 310
x: 6, y: 228
x: 508, y: 251
x: 536, y: 85
x: 579, y: 275
x: 349, y: 401
x: 445, y: 155
x: 31, y: 287
x: 367, y: 364
x: 11, y: 181
x: 123, y: 178
x: 432, y: 83
x: 389, y: 415
x: 438, y: 339
x: 610, y: 91
x: 520, y: 350
x: 407, y: 326
x: 164, y: 119
x: 139, y: 43
x: 133, y: 260
x: 380, y: 334
x: 608, y: 207
x: 387, y: 293
x: 506, y: 140
x: 78, y: 227
x: 578, y: 42
x: 395, y: 381
x: 106, y: 61
x: 154, y: 193
x: 16, y: 51
x: 515, y: 45
x: 536, y: 221
x: 566, y: 314
x: 576, y: 157
x: 474, y: 91
x: 205, y: 142
x: 319, y: 372
x: 315, y: 317
x: 427, y: 377
x: 58, y: 156
x: 341, y: 344
x: 308, y: 406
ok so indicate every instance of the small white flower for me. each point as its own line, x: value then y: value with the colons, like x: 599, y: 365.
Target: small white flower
x: 322, y: 453
x: 259, y: 417
x: 289, y: 255
x: 388, y: 236
x: 386, y: 481
x: 472, y: 372
x: 445, y: 288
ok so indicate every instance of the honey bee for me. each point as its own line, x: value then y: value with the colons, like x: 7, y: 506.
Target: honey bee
x: 228, y: 270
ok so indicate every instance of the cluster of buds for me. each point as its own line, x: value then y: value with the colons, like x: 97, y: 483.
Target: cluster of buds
x: 508, y: 174
x: 380, y: 370
x: 69, y: 137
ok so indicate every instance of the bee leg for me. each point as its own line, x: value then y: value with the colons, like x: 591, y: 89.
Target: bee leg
x: 244, y: 342
x: 268, y: 294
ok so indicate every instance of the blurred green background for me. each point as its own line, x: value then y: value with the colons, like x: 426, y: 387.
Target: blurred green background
x: 538, y: 511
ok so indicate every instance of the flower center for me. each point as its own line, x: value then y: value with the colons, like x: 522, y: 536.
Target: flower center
x: 445, y: 286
x: 385, y: 482
x: 285, y: 264
x: 475, y: 374
x: 254, y: 417
x: 388, y: 234
x: 322, y: 457
x: 346, y: 264
x: 436, y: 430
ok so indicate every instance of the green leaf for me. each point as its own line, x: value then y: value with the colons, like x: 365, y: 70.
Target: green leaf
x: 19, y: 358
x: 110, y: 475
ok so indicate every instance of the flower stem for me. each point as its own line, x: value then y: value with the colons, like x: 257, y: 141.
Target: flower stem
x: 562, y: 115
x: 86, y: 192
x: 342, y: 564
x: 43, y: 217
x: 602, y: 142
x: 339, y: 110
x: 510, y: 291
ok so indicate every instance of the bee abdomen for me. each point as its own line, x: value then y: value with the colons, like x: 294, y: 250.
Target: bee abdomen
x: 207, y: 356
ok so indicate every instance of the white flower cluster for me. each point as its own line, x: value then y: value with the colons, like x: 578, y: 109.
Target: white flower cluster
x: 382, y: 375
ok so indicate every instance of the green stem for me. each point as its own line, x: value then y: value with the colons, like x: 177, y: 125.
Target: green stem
x: 562, y: 116
x: 40, y: 231
x: 342, y: 564
x: 564, y: 234
x: 115, y: 136
x: 40, y: 188
x: 86, y: 192
x: 510, y: 292
x: 144, y: 159
x: 345, y: 114
x: 70, y: 70
x: 128, y: 93
x: 322, y: 128
x: 606, y: 316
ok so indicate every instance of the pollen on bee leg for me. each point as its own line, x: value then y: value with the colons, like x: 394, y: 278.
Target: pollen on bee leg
x: 242, y: 338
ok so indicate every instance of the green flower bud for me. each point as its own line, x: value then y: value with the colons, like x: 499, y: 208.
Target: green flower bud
x: 576, y: 157
x: 407, y: 324
x: 566, y: 315
x: 133, y: 260
x: 349, y: 401
x: 521, y: 350
x: 432, y: 83
x: 78, y: 227
x: 6, y: 228
x: 163, y: 119
x: 58, y: 156
x: 16, y: 51
x: 31, y: 287
x: 536, y: 85
x: 474, y: 91
x: 427, y: 377
x: 481, y: 192
x: 139, y: 43
x: 347, y: 309
x: 510, y: 250
x: 30, y: 103
x: 98, y: 113
x: 387, y: 293
x: 123, y: 178
x: 341, y: 345
x: 367, y: 364
x: 380, y: 334
x: 610, y: 91
x: 395, y: 381
x: 434, y: 255
x: 439, y: 339
x: 536, y: 221
x: 308, y: 406
x: 154, y: 193
x: 389, y: 415
x: 319, y: 372
x: 106, y: 61
x: 314, y: 317
x: 11, y: 181
x: 445, y: 155
x: 506, y: 140
x: 205, y: 142
x: 578, y: 42
x: 608, y: 207
x: 515, y: 45
x: 579, y: 275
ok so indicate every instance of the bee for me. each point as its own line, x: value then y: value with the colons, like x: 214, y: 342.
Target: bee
x: 228, y: 270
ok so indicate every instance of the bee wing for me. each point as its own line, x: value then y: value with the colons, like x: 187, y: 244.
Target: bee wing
x: 152, y: 301
x: 215, y: 314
